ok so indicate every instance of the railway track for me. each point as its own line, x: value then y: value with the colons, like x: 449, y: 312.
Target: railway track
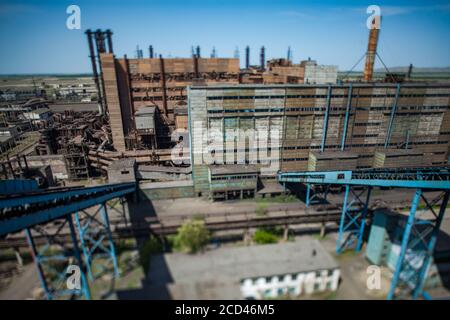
x: 213, y: 222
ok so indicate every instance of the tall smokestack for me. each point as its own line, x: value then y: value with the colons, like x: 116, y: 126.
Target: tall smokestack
x: 100, y: 41
x: 409, y: 71
x: 263, y: 58
x: 150, y: 52
x: 109, y: 39
x: 247, y: 57
x: 90, y: 39
x: 197, y: 51
x: 372, y: 48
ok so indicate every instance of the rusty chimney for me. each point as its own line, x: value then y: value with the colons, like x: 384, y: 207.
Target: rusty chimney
x: 372, y: 48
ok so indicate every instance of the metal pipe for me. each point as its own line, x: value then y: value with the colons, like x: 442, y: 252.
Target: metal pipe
x: 391, y: 120
x: 347, y: 116
x: 163, y: 84
x: 325, y: 120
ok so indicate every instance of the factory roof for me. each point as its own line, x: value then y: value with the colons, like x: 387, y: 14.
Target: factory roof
x: 343, y: 85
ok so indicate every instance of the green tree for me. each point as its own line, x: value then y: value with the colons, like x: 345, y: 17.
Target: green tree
x: 192, y: 236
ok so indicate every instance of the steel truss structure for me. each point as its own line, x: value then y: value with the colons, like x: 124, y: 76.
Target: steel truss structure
x: 418, y: 243
x: 96, y: 241
x: 420, y: 234
x: 44, y: 214
x: 57, y: 260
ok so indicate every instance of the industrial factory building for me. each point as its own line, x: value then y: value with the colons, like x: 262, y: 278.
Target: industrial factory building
x: 352, y: 126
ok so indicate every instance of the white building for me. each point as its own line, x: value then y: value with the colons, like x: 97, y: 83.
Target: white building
x: 319, y: 74
x: 247, y: 272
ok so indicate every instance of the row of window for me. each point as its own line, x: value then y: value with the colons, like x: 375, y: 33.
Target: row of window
x: 235, y: 177
x: 322, y: 109
x: 324, y: 96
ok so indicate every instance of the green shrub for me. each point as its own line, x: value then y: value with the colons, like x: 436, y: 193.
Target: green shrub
x: 262, y: 236
x: 192, y: 236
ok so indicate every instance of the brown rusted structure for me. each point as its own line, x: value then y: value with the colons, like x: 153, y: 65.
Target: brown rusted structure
x: 372, y: 49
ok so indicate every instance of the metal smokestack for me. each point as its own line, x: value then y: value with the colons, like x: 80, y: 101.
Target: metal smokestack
x: 247, y: 57
x: 372, y: 48
x: 263, y: 58
x: 150, y: 52
x: 198, y: 51
x: 109, y: 39
x: 90, y: 35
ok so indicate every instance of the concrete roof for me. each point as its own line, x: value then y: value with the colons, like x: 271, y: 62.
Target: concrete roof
x: 148, y: 168
x: 167, y: 184
x: 271, y: 187
x: 40, y: 111
x: 80, y: 107
x: 145, y: 110
x: 232, y: 169
x: 399, y: 152
x: 124, y: 163
x: 238, y: 263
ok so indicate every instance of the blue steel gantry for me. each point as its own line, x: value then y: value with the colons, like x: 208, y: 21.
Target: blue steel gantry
x: 47, y: 213
x: 420, y: 235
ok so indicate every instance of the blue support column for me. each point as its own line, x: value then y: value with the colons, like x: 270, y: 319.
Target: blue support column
x: 84, y: 284
x: 391, y: 119
x: 363, y: 221
x: 97, y: 242
x: 347, y: 116
x: 325, y: 120
x: 341, y: 223
x: 308, y: 194
x: 430, y: 248
x: 86, y: 254
x: 353, y: 219
x: 35, y: 255
x: 112, y: 249
x: 417, y: 247
x: 404, y: 246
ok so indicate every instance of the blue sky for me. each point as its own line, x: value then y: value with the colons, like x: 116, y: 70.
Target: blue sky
x: 35, y: 39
